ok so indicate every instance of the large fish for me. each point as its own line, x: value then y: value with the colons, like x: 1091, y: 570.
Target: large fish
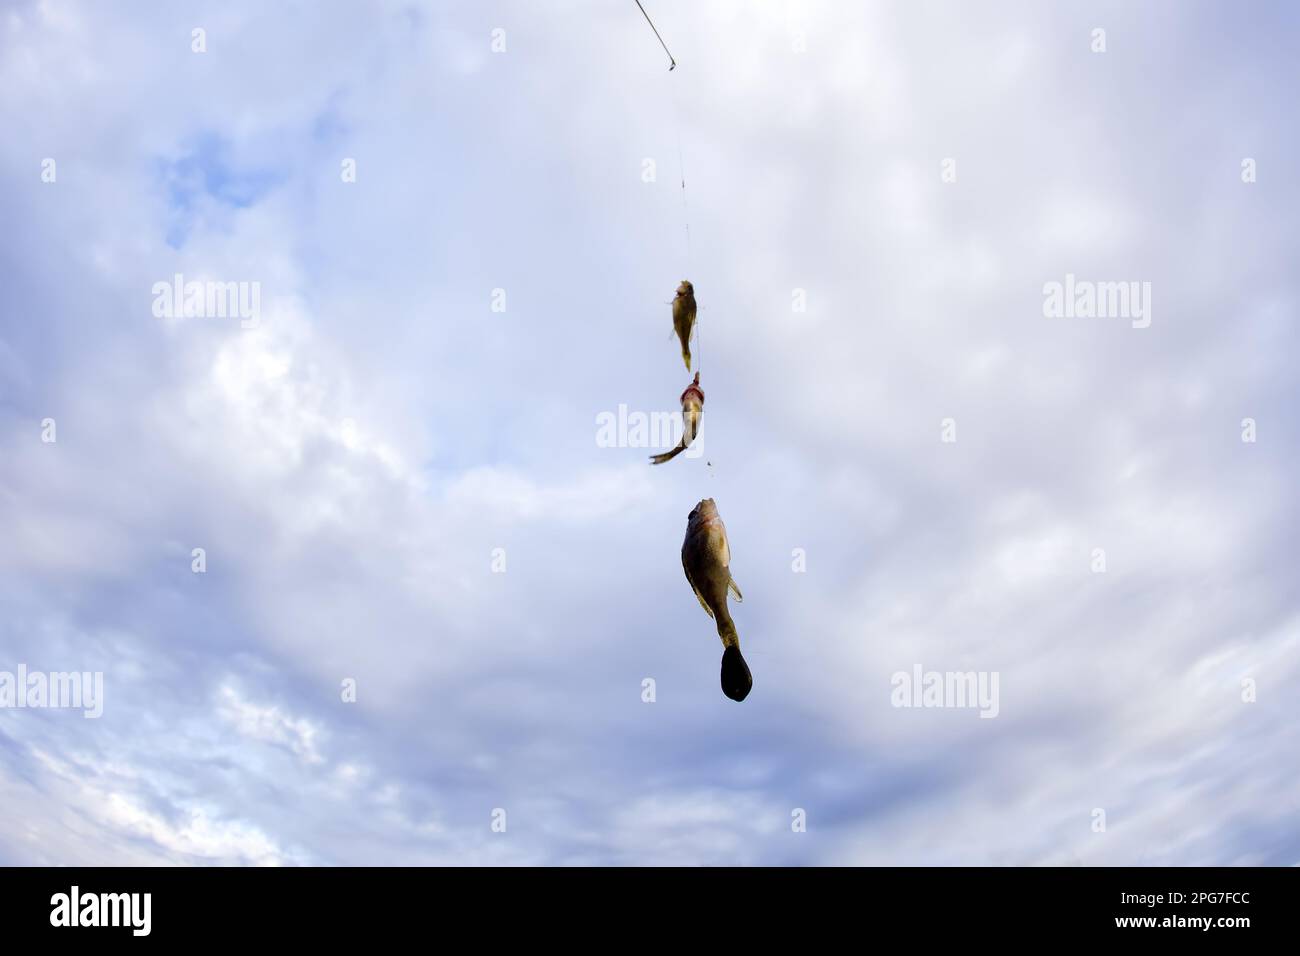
x: 684, y: 318
x: 692, y: 412
x: 706, y: 556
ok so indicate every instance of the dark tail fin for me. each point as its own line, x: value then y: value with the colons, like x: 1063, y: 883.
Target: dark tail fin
x: 736, y: 679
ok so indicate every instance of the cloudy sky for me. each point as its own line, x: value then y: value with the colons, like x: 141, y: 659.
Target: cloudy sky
x: 352, y: 463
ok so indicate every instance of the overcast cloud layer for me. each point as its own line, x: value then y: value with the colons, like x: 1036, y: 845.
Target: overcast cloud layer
x: 350, y: 464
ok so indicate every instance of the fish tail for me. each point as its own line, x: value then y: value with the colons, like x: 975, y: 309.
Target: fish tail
x: 668, y: 455
x: 727, y: 627
x: 686, y: 356
x: 737, y: 681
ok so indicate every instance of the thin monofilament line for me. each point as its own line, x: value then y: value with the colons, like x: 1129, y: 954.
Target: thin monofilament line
x: 686, y: 213
x: 681, y: 168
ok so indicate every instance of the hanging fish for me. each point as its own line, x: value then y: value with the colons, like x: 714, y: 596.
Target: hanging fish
x: 705, y: 557
x: 692, y: 412
x: 684, y: 318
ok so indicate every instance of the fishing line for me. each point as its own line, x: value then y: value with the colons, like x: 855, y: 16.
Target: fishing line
x: 672, y: 62
x: 686, y: 212
x: 681, y: 169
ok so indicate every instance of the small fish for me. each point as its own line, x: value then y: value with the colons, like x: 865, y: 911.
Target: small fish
x: 692, y: 412
x: 684, y: 318
x: 705, y: 557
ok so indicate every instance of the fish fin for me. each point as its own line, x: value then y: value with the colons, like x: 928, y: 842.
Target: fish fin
x: 734, y: 588
x: 668, y: 455
x: 737, y: 681
x: 698, y: 596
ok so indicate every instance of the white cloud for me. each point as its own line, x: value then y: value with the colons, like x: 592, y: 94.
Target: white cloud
x: 269, y: 724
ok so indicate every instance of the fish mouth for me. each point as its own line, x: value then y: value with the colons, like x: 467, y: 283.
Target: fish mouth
x: 737, y: 682
x: 706, y: 509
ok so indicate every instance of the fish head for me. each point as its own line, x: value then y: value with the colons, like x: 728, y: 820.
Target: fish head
x: 685, y: 289
x: 705, y: 510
